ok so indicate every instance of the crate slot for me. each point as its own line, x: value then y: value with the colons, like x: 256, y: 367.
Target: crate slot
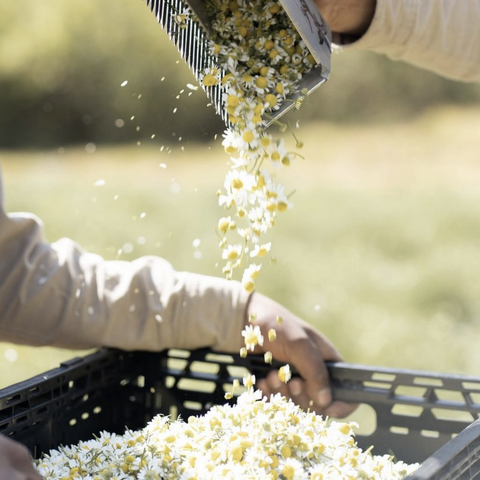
x: 450, y: 396
x: 170, y: 381
x: 196, y: 385
x: 218, y: 357
x: 377, y: 385
x: 13, y: 399
x: 228, y: 387
x: 407, y: 410
x: 453, y: 415
x: 366, y: 418
x: 471, y: 385
x: 399, y: 430
x: 174, y: 352
x: 429, y: 433
x: 40, y: 399
x: 383, y: 377
x: 177, y: 364
x: 237, y: 372
x: 410, y: 391
x: 23, y: 419
x: 474, y: 398
x: 173, y: 412
x: 204, y: 367
x: 428, y: 381
x: 6, y: 414
x: 193, y: 405
x: 97, y: 410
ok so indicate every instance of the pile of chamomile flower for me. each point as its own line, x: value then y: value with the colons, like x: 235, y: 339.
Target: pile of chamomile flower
x: 254, y: 439
x: 261, y: 59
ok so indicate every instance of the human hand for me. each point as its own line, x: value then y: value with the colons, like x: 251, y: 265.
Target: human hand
x: 299, y: 344
x: 15, y: 461
x: 347, y: 17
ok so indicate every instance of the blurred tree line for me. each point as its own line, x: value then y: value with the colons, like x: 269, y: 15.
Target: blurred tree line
x: 62, y: 64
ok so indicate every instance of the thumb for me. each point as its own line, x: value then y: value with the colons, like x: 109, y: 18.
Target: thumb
x: 310, y: 364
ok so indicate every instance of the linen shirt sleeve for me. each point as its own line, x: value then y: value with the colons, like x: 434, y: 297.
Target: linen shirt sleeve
x: 59, y: 295
x: 438, y: 35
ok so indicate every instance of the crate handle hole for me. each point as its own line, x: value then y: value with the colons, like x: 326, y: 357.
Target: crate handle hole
x: 399, y: 430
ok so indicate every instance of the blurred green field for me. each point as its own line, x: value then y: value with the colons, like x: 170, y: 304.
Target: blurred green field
x: 381, y: 251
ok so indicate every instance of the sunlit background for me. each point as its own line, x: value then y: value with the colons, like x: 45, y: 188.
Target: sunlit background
x: 382, y: 249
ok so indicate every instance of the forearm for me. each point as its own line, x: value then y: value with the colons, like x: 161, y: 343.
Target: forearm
x: 438, y: 35
x: 59, y: 295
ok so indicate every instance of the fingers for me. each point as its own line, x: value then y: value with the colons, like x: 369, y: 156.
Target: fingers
x: 339, y: 409
x: 300, y: 345
x: 309, y: 355
x: 296, y: 390
x: 15, y: 462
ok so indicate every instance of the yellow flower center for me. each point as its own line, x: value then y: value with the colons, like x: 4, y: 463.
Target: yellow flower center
x: 271, y: 99
x: 233, y: 101
x: 261, y: 82
x: 264, y: 71
x: 209, y: 80
x: 232, y: 255
x: 273, y: 54
x: 265, y: 141
x: 248, y: 136
x: 251, y: 338
x: 286, y: 451
x: 262, y: 252
x: 242, y: 31
x: 237, y: 183
x: 288, y: 471
x: 249, y: 286
x: 274, y: 9
x: 269, y: 45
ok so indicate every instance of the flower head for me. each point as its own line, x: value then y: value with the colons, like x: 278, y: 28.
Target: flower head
x: 252, y: 336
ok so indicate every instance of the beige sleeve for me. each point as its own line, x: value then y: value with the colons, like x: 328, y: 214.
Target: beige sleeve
x: 59, y: 295
x: 438, y: 35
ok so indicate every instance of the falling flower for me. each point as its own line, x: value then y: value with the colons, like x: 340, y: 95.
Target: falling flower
x: 253, y: 337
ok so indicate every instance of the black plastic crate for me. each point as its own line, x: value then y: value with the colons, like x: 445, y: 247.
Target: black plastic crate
x: 417, y: 416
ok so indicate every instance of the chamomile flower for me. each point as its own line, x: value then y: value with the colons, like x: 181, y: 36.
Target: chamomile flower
x: 261, y: 250
x: 232, y: 252
x: 285, y: 373
x: 252, y: 337
x: 225, y: 224
x: 253, y: 270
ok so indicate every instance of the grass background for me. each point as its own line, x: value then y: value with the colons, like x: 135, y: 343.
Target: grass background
x: 381, y: 251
